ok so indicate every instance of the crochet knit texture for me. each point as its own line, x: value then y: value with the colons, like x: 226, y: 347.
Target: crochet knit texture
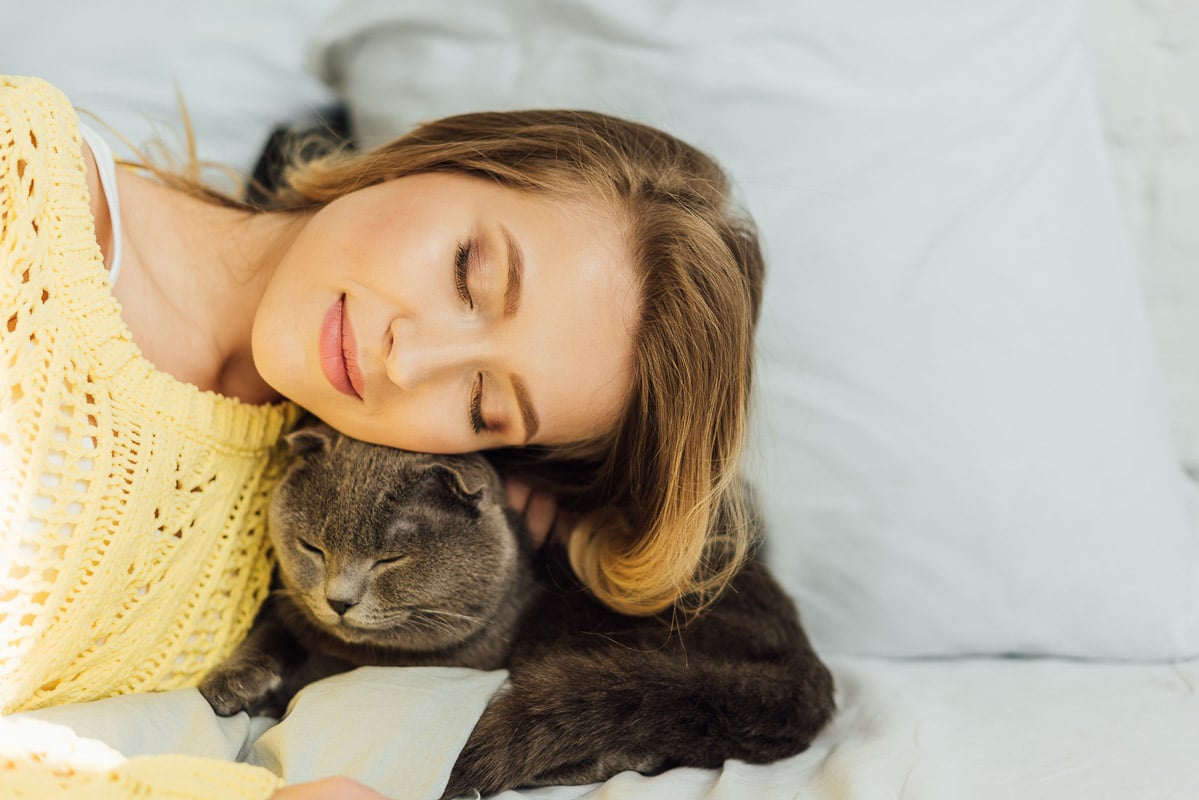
x: 42, y: 761
x: 133, y: 553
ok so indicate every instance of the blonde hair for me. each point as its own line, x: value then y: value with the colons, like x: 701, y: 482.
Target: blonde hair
x: 663, y: 519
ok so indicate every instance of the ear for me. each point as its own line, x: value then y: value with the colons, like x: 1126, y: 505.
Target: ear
x: 309, y: 441
x: 466, y: 480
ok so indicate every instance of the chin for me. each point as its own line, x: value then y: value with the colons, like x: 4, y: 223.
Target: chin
x: 290, y: 377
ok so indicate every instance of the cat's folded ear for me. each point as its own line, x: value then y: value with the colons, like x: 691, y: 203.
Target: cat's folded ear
x: 310, y: 440
x: 470, y: 479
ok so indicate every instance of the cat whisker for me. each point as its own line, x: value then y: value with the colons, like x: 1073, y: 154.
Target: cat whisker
x: 454, y: 614
x: 428, y: 615
x: 434, y: 624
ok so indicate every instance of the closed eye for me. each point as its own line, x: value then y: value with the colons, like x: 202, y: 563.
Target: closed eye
x: 461, y: 265
x: 381, y: 562
x: 308, y: 547
x: 476, y: 406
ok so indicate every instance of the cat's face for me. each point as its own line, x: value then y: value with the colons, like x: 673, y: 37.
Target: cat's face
x: 386, y: 547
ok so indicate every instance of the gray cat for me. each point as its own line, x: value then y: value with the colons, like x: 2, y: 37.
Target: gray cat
x: 394, y: 558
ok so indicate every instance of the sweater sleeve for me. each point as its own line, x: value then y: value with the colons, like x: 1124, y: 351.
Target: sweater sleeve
x: 59, y: 542
x: 43, y: 761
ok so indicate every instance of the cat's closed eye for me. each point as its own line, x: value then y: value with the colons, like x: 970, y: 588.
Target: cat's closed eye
x: 387, y: 560
x: 309, y: 547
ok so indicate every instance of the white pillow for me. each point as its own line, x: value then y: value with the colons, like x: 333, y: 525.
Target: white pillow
x: 239, y: 67
x: 409, y: 725
x: 1146, y: 59
x: 963, y: 435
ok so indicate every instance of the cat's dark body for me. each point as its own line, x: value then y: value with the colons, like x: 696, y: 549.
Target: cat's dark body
x: 591, y: 692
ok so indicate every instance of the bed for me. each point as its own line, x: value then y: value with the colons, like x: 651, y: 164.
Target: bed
x: 979, y: 385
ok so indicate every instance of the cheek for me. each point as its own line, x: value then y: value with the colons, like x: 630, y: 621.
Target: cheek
x: 285, y: 326
x: 384, y: 588
x: 300, y: 572
x: 434, y: 423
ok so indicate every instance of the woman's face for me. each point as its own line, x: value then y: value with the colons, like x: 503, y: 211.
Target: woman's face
x: 446, y: 313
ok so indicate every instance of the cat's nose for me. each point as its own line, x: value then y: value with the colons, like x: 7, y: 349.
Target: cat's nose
x: 340, y: 606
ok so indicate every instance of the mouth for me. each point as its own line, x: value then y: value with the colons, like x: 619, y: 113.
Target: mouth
x: 339, y: 351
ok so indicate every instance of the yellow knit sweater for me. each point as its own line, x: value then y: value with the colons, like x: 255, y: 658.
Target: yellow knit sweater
x: 133, y: 553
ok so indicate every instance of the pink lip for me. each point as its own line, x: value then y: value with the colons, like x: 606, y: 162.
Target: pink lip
x: 339, y: 351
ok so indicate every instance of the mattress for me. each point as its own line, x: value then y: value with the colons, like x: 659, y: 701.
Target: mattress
x: 943, y: 729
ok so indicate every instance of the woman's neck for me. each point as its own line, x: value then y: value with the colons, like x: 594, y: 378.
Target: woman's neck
x: 192, y: 277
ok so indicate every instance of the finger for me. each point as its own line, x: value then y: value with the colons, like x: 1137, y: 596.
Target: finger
x: 539, y: 516
x: 335, y: 788
x: 518, y: 494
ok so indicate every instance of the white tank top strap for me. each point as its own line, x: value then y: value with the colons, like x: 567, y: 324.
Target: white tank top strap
x: 107, y: 167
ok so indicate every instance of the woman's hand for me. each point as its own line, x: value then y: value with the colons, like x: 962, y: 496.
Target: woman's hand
x: 338, y: 788
x: 540, y: 512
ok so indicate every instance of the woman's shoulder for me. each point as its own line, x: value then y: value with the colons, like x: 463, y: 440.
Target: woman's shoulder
x: 33, y: 102
x: 41, y: 157
x: 38, y: 126
x: 32, y: 86
x: 46, y: 225
x: 39, y: 133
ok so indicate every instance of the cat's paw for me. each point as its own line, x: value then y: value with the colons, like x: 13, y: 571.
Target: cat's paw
x: 231, y: 688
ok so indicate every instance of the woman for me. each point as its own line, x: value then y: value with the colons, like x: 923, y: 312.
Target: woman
x: 569, y: 286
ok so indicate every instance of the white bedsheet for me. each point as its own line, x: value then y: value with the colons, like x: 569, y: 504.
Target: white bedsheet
x: 906, y: 730
x: 972, y: 730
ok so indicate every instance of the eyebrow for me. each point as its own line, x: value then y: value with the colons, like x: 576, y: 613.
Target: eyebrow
x: 516, y: 269
x: 527, y: 413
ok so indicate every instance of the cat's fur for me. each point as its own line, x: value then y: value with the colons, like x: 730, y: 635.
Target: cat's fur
x: 591, y: 692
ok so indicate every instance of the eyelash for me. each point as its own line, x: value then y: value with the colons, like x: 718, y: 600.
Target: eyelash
x: 476, y: 406
x: 461, y: 263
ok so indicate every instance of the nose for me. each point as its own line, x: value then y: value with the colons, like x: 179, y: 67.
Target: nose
x: 345, y: 587
x: 421, y: 350
x: 340, y: 607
